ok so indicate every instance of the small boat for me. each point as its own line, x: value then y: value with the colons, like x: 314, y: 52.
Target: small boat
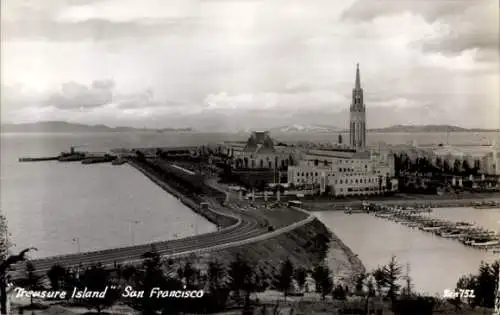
x: 486, y: 205
x: 71, y: 158
x: 118, y: 161
x: 453, y: 234
x: 482, y: 243
x: 431, y: 228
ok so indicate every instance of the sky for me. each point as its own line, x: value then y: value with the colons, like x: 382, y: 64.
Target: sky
x: 240, y: 64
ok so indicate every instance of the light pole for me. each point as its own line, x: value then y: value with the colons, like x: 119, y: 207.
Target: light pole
x: 77, y: 241
x: 132, y: 230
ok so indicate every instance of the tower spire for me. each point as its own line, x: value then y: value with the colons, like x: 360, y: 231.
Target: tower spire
x: 358, y: 80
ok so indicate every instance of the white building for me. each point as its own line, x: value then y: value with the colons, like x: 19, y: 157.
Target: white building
x: 342, y: 172
x: 353, y: 171
x: 487, y: 156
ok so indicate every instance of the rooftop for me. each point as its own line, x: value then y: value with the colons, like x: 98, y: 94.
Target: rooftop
x: 259, y: 142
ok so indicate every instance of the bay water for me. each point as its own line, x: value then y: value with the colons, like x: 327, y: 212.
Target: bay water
x: 65, y: 207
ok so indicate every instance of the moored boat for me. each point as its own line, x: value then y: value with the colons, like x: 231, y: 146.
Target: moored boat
x: 118, y: 161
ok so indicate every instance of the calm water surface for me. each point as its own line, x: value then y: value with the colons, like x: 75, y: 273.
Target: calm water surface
x: 435, y: 263
x: 48, y: 204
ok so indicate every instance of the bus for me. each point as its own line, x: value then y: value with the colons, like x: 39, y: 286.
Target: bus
x: 294, y: 203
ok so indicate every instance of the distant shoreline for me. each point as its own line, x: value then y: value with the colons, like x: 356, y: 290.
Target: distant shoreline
x: 67, y: 127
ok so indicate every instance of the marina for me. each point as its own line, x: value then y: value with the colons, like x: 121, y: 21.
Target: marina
x: 467, y: 233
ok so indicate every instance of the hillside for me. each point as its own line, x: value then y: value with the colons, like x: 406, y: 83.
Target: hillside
x: 305, y: 128
x: 65, y: 127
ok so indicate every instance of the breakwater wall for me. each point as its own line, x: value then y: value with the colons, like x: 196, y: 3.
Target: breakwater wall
x: 193, y: 202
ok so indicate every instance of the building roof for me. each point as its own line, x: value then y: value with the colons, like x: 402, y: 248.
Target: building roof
x: 259, y: 142
x: 338, y: 153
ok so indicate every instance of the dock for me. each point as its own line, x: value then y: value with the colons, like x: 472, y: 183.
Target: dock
x: 466, y: 233
x: 38, y: 159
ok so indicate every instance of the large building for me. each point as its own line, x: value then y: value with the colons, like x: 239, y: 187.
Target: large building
x: 259, y: 152
x: 258, y: 162
x: 357, y: 125
x: 352, y: 171
x: 486, y: 157
x: 342, y: 172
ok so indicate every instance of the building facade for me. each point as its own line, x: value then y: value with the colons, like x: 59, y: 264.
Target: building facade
x: 342, y: 172
x: 259, y: 152
x: 347, y: 171
x: 486, y: 157
x: 357, y: 112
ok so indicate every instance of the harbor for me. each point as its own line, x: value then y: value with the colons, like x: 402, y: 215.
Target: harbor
x: 467, y: 233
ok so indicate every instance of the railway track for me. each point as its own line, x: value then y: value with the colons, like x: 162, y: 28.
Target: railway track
x: 247, y: 227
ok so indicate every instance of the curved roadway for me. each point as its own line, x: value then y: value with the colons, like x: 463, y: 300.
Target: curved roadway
x: 248, y: 229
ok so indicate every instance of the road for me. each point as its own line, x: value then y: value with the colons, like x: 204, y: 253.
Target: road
x: 248, y: 229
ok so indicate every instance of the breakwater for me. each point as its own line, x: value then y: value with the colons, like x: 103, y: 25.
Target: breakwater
x: 38, y: 159
x: 183, y: 194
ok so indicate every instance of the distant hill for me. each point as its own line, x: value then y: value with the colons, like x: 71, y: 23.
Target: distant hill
x: 305, y: 128
x: 429, y: 128
x: 65, y: 127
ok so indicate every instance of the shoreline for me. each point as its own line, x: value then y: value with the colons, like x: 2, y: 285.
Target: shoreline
x: 278, y: 248
x: 212, y: 217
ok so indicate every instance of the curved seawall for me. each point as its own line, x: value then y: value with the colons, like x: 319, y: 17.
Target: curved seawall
x: 163, y: 181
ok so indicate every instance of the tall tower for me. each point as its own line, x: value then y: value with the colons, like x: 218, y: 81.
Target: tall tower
x: 357, y: 126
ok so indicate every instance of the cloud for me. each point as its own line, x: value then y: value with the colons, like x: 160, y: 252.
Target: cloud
x: 460, y: 25
x: 74, y: 95
x: 249, y: 63
x: 431, y: 10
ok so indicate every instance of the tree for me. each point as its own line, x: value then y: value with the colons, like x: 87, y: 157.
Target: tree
x: 300, y: 276
x: 217, y: 285
x: 439, y: 163
x: 392, y: 273
x: 129, y: 272
x: 31, y: 281
x: 457, y: 167
x: 477, y: 166
x: 151, y: 276
x: 324, y: 282
x: 4, y: 266
x: 339, y: 293
x: 359, y: 283
x: 407, y: 290
x: 487, y: 283
x: 446, y: 167
x: 242, y: 278
x: 56, y: 275
x: 468, y: 282
x: 285, y: 277
x: 189, y: 274
x: 379, y: 276
x: 466, y: 167
x: 97, y: 278
x: 4, y: 247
